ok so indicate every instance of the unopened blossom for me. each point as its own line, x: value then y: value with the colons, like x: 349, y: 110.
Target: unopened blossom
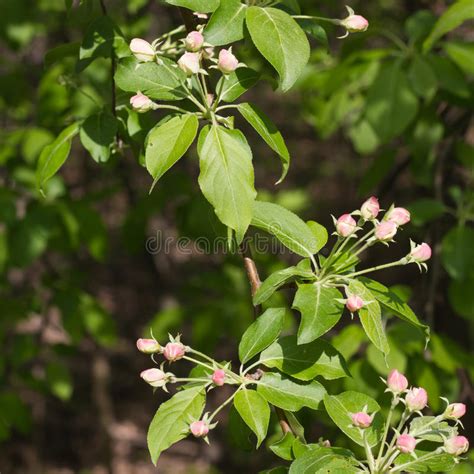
x: 174, y: 351
x: 397, y: 382
x: 421, y: 253
x: 199, y: 429
x: 208, y: 52
x: 355, y: 23
x: 189, y: 63
x: 218, y: 377
x: 346, y: 225
x: 194, y: 41
x: 370, y: 208
x: 455, y: 411
x: 148, y: 346
x: 398, y: 215
x: 154, y: 377
x: 456, y: 445
x: 416, y: 399
x: 142, y: 50
x: 141, y: 103
x: 361, y: 419
x: 227, y: 62
x: 354, y: 303
x: 385, y: 231
x: 406, y: 444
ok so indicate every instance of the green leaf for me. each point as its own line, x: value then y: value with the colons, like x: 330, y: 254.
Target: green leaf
x: 226, y: 24
x: 457, y: 253
x: 320, y: 232
x: 255, y: 411
x: 283, y: 392
x: 226, y: 178
x: 391, y: 104
x: 97, y: 135
x: 370, y: 316
x: 162, y: 82
x: 454, y: 16
x: 305, y: 361
x: 425, y: 210
x: 61, y: 52
x: 275, y: 470
x: 167, y: 142
x: 422, y: 77
x: 201, y: 6
x: 319, y: 308
x: 237, y: 83
x: 423, y: 428
x: 54, y: 155
x: 102, y: 39
x: 283, y: 447
x: 239, y: 433
x: 280, y: 40
x: 437, y: 463
x: 59, y: 380
x: 261, y: 333
x: 461, y: 53
x: 267, y: 130
x: 394, y: 304
x: 313, y: 28
x: 319, y: 460
x: 450, y: 77
x: 461, y: 297
x: 277, y: 279
x: 171, y: 422
x: 287, y: 227
x: 341, y: 407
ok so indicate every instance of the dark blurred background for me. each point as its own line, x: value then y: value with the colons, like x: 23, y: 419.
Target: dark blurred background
x: 82, y: 274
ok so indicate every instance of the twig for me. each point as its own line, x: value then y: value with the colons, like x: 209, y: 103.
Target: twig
x: 255, y: 282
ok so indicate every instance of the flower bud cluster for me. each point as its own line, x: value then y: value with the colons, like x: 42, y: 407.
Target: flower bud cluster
x: 415, y: 399
x: 384, y: 229
x: 191, y: 53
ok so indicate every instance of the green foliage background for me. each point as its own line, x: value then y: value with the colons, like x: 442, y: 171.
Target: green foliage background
x: 388, y: 112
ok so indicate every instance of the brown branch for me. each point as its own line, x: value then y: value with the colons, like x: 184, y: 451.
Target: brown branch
x: 284, y: 425
x: 255, y: 282
x: 251, y: 269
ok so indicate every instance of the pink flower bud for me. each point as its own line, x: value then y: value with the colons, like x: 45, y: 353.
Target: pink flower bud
x: 406, y: 443
x: 142, y: 49
x: 218, y: 377
x: 210, y: 99
x: 199, y: 429
x: 189, y: 63
x: 455, y: 411
x: 346, y: 225
x: 370, y: 209
x: 361, y: 419
x: 385, y: 231
x: 141, y: 103
x: 355, y: 23
x: 421, y: 253
x: 174, y: 351
x: 397, y: 382
x: 208, y: 52
x: 456, y: 445
x: 398, y: 215
x: 354, y: 303
x: 154, y: 377
x: 148, y: 346
x: 416, y: 399
x: 194, y: 41
x: 227, y: 62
